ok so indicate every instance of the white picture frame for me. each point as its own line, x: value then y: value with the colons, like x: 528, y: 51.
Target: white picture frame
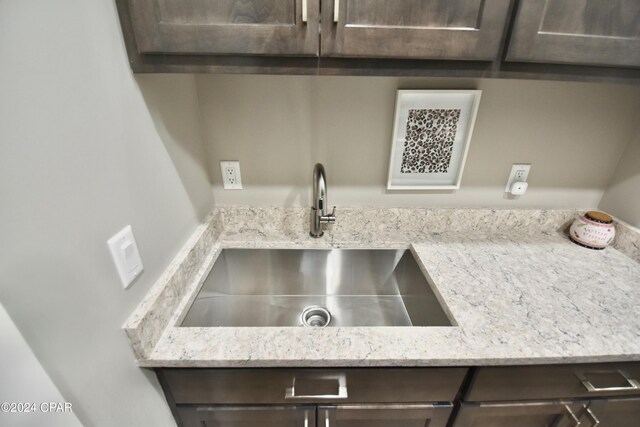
x: 431, y: 135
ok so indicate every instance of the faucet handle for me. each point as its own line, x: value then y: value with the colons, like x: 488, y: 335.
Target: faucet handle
x: 332, y: 216
x: 329, y: 218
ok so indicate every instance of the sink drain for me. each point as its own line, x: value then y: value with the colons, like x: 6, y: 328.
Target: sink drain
x: 315, y: 316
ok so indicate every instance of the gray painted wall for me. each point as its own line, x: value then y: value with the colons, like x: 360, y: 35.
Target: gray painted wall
x: 279, y: 126
x: 23, y: 380
x: 622, y: 198
x: 82, y: 154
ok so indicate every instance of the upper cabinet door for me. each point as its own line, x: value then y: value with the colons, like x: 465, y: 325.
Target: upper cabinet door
x: 226, y: 27
x: 421, y: 29
x: 589, y: 32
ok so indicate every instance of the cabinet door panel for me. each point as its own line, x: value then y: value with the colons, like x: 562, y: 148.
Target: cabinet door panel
x: 590, y: 32
x: 520, y: 414
x: 615, y: 412
x: 238, y: 27
x: 243, y: 416
x: 384, y: 415
x: 429, y: 29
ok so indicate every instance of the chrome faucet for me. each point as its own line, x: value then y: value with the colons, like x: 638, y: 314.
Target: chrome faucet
x: 319, y: 209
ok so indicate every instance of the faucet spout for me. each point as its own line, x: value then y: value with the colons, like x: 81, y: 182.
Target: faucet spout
x: 319, y: 188
x: 319, y: 203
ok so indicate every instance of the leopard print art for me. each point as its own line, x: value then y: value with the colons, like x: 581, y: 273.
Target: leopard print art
x: 429, y: 141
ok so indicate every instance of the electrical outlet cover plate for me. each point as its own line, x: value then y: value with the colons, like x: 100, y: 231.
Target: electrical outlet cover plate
x: 519, y: 188
x: 519, y: 172
x: 231, y: 179
x: 126, y: 256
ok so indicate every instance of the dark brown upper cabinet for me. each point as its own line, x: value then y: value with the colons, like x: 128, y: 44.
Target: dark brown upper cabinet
x: 586, y: 40
x: 586, y: 32
x: 225, y: 27
x: 417, y: 29
x: 420, y: 29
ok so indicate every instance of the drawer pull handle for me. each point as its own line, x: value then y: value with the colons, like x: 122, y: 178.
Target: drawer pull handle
x: 594, y: 420
x: 571, y: 415
x: 304, y: 11
x: 633, y: 384
x: 336, y: 10
x: 342, y: 393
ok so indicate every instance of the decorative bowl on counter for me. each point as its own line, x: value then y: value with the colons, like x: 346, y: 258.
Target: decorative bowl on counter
x: 593, y: 230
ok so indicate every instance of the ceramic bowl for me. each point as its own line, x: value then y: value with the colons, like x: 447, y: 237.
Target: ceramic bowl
x: 593, y: 230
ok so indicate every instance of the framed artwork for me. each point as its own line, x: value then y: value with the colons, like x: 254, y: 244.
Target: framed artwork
x: 431, y: 135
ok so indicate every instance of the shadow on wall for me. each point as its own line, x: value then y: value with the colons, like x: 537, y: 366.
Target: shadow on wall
x: 172, y: 102
x: 622, y: 197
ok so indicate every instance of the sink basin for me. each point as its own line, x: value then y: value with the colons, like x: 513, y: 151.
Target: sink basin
x: 337, y: 287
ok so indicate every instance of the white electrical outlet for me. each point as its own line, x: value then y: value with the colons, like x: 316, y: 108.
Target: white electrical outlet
x: 231, y: 179
x: 519, y: 173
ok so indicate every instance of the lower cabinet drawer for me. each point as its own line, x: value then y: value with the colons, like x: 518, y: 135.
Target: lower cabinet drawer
x: 300, y: 386
x: 554, y: 382
x: 521, y: 414
x: 600, y: 412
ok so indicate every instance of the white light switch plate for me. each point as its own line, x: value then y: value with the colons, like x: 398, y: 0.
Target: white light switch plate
x: 126, y: 256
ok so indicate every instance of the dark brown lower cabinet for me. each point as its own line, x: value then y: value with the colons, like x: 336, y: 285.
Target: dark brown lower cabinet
x: 247, y: 416
x: 578, y: 395
x: 624, y: 412
x: 585, y: 395
x: 521, y: 414
x: 616, y: 412
x: 350, y: 397
x: 435, y: 415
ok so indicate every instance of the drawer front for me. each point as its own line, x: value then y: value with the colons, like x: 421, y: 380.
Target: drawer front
x: 551, y: 382
x: 521, y: 414
x: 297, y: 386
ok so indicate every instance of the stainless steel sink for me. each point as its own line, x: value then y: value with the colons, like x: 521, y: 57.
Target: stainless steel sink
x: 273, y: 287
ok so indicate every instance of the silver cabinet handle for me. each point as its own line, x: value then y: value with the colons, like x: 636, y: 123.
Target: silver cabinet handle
x: 326, y: 416
x: 633, y: 384
x: 290, y: 392
x: 304, y: 11
x: 336, y: 10
x: 571, y: 415
x: 594, y: 420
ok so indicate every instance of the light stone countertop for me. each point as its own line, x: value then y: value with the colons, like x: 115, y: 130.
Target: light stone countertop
x: 529, y: 298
